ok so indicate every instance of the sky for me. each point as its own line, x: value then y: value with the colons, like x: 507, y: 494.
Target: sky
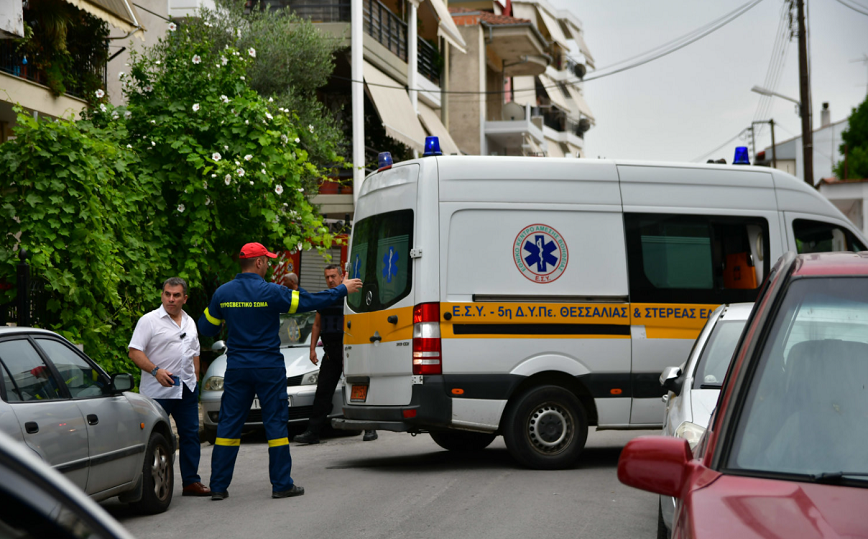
x: 682, y: 106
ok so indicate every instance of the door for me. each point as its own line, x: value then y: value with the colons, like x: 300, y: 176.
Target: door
x: 115, y: 440
x: 378, y: 354
x: 51, y: 424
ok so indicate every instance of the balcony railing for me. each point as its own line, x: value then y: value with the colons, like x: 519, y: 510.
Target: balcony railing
x: 315, y: 10
x: 429, y: 61
x: 559, y: 122
x: 13, y: 63
x: 386, y: 27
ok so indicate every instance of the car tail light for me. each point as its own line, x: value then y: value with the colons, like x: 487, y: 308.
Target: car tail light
x: 426, y: 339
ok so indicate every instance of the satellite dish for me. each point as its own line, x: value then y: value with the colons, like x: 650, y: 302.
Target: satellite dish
x: 512, y: 111
x: 584, y: 124
x: 579, y: 70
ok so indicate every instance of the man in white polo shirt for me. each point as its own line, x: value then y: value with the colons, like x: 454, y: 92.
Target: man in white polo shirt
x: 165, y: 345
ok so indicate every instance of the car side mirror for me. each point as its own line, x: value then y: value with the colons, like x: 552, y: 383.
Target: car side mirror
x: 122, y: 382
x: 658, y: 464
x: 672, y: 379
x: 218, y: 346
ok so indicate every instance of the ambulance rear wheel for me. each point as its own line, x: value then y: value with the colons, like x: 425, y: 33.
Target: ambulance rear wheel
x: 545, y: 428
x: 457, y: 440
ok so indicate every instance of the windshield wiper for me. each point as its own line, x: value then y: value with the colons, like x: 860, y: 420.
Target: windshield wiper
x: 835, y: 477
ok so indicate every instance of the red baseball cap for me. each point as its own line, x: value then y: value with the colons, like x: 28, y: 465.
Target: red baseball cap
x: 252, y: 250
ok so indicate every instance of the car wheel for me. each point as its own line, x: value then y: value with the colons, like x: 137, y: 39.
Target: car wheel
x: 158, y: 478
x: 545, y: 428
x: 457, y: 440
x: 209, y: 435
x: 662, y: 532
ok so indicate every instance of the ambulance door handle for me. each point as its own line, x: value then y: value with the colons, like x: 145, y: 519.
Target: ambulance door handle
x: 392, y: 319
x: 376, y: 337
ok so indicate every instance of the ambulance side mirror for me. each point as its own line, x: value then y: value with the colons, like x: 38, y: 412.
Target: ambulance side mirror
x: 218, y: 347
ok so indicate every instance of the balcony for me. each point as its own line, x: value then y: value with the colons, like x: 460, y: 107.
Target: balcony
x: 13, y: 63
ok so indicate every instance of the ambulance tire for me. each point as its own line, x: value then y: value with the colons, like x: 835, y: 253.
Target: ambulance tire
x: 458, y: 440
x: 158, y: 479
x: 545, y: 428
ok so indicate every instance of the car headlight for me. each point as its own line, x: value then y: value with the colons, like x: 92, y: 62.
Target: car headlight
x: 310, y: 378
x: 690, y: 432
x: 213, y: 383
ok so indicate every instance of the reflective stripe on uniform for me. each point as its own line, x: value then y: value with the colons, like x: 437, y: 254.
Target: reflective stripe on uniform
x: 228, y: 441
x: 278, y: 442
x: 214, y: 321
x: 294, y: 305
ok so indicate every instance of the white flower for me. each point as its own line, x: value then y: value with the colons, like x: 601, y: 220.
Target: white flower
x: 154, y: 122
x: 153, y: 143
x: 102, y: 107
x: 208, y: 24
x: 269, y: 116
x: 224, y: 99
x: 121, y: 75
x: 224, y: 60
x: 242, y: 77
x: 215, y: 156
x: 297, y: 140
x: 240, y: 172
x: 252, y: 52
x: 227, y: 179
x: 226, y: 147
x: 181, y: 208
x: 263, y: 171
x: 130, y: 146
x: 271, y: 100
x: 99, y: 94
x: 248, y: 157
x: 251, y: 182
x: 197, y: 59
x: 195, y: 107
x: 115, y: 116
x: 207, y: 201
x: 301, y: 189
x: 237, y: 163
x: 246, y: 122
x: 148, y: 88
x: 172, y: 27
x: 238, y: 32
x: 310, y: 128
x: 284, y: 138
x: 278, y: 189
x: 157, y: 62
x: 127, y: 115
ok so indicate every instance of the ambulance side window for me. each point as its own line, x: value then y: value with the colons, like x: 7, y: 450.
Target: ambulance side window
x: 695, y: 258
x: 819, y: 237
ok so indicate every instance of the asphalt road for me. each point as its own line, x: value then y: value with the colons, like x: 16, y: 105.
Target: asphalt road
x: 405, y: 487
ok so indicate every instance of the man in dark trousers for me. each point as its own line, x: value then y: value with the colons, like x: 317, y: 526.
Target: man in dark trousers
x: 329, y: 325
x: 251, y: 307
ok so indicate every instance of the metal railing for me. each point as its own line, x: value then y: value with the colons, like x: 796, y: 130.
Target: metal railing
x: 429, y: 61
x: 315, y: 10
x: 13, y: 63
x: 559, y: 122
x: 386, y: 27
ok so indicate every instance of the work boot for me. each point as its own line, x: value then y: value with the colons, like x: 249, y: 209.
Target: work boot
x: 370, y: 435
x: 307, y: 437
x: 294, y: 491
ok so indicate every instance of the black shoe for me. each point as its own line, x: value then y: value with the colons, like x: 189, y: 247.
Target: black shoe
x: 307, y: 437
x: 370, y: 435
x: 220, y: 495
x: 294, y: 491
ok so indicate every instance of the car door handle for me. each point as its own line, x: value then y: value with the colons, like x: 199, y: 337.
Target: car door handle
x: 92, y: 419
x: 31, y: 427
x: 392, y: 319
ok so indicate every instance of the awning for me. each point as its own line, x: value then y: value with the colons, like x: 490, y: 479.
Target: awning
x: 555, y: 149
x: 431, y: 122
x: 118, y: 13
x: 581, y: 106
x: 524, y: 90
x: 533, y: 147
x: 554, y: 29
x: 554, y: 92
x: 447, y: 29
x: 394, y: 107
x: 583, y: 47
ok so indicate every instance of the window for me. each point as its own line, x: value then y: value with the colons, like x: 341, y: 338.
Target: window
x: 715, y: 358
x: 82, y: 379
x: 695, y: 258
x: 380, y: 257
x: 819, y: 237
x: 25, y: 376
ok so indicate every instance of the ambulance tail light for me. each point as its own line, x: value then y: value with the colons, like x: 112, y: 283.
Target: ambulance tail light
x: 426, y: 339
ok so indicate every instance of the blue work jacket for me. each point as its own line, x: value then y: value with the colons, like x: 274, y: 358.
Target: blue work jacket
x: 251, y: 307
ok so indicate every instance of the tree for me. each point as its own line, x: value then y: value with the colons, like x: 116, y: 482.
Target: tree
x: 855, y: 145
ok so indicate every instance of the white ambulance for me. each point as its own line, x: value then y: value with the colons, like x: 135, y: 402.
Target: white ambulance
x: 535, y: 298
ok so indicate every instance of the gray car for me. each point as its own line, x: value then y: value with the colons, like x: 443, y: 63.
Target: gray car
x: 301, y: 378
x: 86, y: 424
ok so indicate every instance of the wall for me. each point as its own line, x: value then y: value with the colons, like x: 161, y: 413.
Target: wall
x: 155, y: 28
x: 466, y: 73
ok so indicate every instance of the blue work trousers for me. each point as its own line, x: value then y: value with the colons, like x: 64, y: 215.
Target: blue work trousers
x: 185, y: 411
x: 239, y: 388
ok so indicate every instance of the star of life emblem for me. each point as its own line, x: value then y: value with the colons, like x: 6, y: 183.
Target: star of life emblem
x: 540, y: 253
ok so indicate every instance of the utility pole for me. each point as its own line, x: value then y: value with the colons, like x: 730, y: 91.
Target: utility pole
x: 805, y: 97
x: 752, y: 133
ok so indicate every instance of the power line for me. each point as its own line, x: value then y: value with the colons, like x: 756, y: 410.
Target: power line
x: 857, y: 10
x: 152, y: 13
x: 706, y: 154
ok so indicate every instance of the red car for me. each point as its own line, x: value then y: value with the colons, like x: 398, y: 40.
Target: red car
x: 786, y: 451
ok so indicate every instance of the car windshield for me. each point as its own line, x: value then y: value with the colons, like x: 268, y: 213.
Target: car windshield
x: 295, y: 329
x: 807, y: 408
x: 717, y: 353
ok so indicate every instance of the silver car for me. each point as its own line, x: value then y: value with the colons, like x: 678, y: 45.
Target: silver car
x: 693, y: 388
x: 83, y: 422
x: 301, y: 378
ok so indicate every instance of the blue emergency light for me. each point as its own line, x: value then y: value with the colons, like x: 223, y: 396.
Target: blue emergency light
x: 384, y: 161
x: 741, y: 156
x: 432, y: 147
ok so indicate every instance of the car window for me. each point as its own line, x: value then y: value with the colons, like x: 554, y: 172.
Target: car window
x: 819, y: 237
x: 295, y: 329
x: 81, y: 378
x: 717, y: 353
x: 25, y: 376
x: 805, y: 410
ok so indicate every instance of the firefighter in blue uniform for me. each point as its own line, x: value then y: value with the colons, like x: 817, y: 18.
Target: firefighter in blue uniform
x: 251, y: 307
